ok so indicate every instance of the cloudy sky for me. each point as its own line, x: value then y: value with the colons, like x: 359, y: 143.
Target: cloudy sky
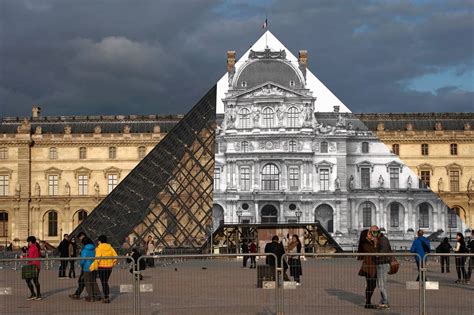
x: 79, y: 57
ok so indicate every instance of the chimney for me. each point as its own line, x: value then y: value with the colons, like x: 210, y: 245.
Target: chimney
x: 35, y: 111
x: 303, y: 61
x: 231, y: 61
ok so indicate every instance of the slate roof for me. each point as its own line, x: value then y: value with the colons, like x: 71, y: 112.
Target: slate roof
x: 420, y: 121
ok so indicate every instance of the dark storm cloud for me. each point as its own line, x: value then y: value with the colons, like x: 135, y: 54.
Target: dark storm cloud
x: 147, y: 57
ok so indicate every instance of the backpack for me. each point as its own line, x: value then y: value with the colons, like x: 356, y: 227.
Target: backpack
x: 425, y: 247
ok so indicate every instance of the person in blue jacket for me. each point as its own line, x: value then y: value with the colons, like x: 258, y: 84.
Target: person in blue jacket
x: 420, y: 246
x: 92, y: 289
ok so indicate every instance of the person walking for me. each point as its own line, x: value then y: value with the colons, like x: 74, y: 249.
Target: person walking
x: 444, y: 248
x: 420, y: 246
x: 245, y: 250
x: 460, y: 260
x: 33, y: 251
x: 150, y: 251
x: 368, y: 268
x: 470, y: 248
x: 294, y: 261
x: 253, y: 250
x: 72, y: 253
x: 63, y: 249
x: 89, y: 274
x: 382, y: 263
x: 80, y: 281
x: 105, y: 265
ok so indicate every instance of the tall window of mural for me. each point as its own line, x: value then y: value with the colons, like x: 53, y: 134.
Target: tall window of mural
x: 245, y: 146
x: 294, y: 176
x: 217, y: 178
x: 244, y: 118
x: 365, y: 177
x: 454, y: 180
x: 293, y: 117
x: 268, y: 117
x: 112, y: 182
x: 53, y: 185
x: 324, y: 179
x: 3, y: 224
x: 424, y: 149
x: 453, y: 149
x: 4, y: 185
x: 83, y: 183
x: 394, y: 177
x: 292, y: 146
x: 324, y: 147
x: 367, y: 214
x: 425, y: 179
x: 52, y: 223
x: 270, y: 177
x: 394, y: 214
x: 424, y: 215
x: 453, y: 218
x: 245, y: 178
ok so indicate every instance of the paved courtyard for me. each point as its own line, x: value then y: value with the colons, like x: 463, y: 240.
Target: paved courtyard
x: 222, y: 286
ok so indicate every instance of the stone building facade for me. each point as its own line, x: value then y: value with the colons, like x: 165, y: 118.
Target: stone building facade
x: 55, y: 170
x: 279, y: 159
x: 438, y: 147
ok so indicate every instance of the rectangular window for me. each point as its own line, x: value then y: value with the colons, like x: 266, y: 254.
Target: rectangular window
x: 454, y: 180
x: 294, y: 177
x: 324, y: 179
x: 3, y: 224
x: 394, y: 215
x: 4, y: 185
x: 82, y: 153
x: 394, y: 177
x: 245, y: 178
x: 424, y: 149
x: 454, y: 149
x: 425, y: 179
x: 365, y: 178
x: 112, y: 182
x: 217, y: 178
x: 452, y: 219
x: 83, y: 183
x: 396, y: 149
x: 53, y: 185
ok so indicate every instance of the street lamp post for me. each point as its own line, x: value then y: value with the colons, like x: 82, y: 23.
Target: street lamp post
x: 239, y: 214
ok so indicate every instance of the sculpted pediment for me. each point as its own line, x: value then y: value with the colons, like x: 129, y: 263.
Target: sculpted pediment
x: 269, y: 90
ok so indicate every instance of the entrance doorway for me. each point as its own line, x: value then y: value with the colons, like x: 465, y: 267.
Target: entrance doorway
x: 269, y: 214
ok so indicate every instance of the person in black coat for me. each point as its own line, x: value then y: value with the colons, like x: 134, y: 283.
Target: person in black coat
x: 63, y: 249
x: 444, y: 248
x: 470, y: 248
x: 275, y: 247
x: 139, y: 264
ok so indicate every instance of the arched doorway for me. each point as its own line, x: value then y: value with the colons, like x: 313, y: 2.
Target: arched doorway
x: 78, y: 217
x: 269, y: 214
x: 325, y: 215
x: 217, y: 216
x: 455, y: 215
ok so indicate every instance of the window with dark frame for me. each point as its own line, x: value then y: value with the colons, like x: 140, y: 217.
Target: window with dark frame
x: 244, y: 118
x: 53, y: 153
x: 424, y: 149
x: 396, y: 149
x: 81, y: 216
x: 82, y: 153
x: 112, y: 153
x: 294, y: 177
x: 270, y: 177
x: 292, y: 146
x: 365, y: 147
x: 324, y: 179
x: 453, y: 218
x: 52, y: 223
x: 324, y: 147
x: 3, y: 224
x: 367, y: 214
x: 245, y: 146
x: 453, y: 149
x: 217, y: 178
x: 394, y: 177
x: 83, y: 184
x: 293, y: 117
x: 245, y: 178
x: 268, y: 118
x: 394, y: 214
x: 3, y: 153
x: 365, y: 177
x: 4, y: 185
x: 425, y: 179
x: 454, y: 180
x: 424, y: 215
x: 53, y: 185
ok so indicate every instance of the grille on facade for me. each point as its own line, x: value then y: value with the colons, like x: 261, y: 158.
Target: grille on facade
x: 168, y: 195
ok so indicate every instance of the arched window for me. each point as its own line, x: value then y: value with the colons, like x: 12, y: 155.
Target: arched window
x: 52, y: 218
x: 3, y: 224
x: 112, y: 152
x: 394, y: 214
x: 268, y: 118
x: 269, y: 214
x: 293, y: 117
x: 245, y: 146
x: 367, y: 214
x: 292, y: 146
x: 365, y: 147
x: 270, y: 177
x: 81, y: 216
x: 3, y: 153
x: 82, y: 153
x: 454, y: 149
x: 324, y: 147
x: 424, y: 215
x: 141, y: 152
x: 53, y: 153
x: 453, y: 214
x: 244, y: 118
x: 396, y: 149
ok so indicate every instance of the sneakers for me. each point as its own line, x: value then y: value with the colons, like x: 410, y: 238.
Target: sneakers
x: 106, y: 300
x: 32, y: 297
x: 74, y: 296
x: 383, y: 307
x: 39, y: 297
x: 458, y: 281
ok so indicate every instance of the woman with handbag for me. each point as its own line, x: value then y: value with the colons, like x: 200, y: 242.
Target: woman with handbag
x: 368, y: 268
x: 294, y: 247
x: 30, y: 272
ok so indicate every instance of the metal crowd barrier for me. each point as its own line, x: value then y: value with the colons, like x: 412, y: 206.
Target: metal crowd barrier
x: 217, y: 283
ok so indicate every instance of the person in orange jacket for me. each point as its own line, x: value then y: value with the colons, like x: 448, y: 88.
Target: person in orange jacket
x: 105, y: 265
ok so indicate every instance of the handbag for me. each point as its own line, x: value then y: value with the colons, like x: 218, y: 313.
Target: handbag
x: 29, y: 272
x: 394, y: 266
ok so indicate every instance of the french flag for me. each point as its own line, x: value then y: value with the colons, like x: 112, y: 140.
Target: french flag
x: 265, y: 24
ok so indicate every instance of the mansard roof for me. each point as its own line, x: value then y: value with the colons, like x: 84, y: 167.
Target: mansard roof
x: 420, y: 121
x: 87, y: 124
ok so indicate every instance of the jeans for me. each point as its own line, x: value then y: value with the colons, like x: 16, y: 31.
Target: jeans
x: 444, y: 261
x: 470, y: 267
x: 460, y: 269
x: 91, y: 285
x: 104, y: 275
x: 382, y: 271
x: 62, y: 268
x: 37, y: 285
x: 80, y: 284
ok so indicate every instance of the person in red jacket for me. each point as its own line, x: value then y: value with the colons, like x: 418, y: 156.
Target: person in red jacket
x: 34, y: 252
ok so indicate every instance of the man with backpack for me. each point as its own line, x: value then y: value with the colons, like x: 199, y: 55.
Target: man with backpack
x: 420, y: 246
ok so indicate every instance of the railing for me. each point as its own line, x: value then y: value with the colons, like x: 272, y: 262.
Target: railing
x: 204, y: 284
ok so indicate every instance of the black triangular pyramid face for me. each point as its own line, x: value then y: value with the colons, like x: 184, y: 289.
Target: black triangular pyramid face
x: 168, y: 195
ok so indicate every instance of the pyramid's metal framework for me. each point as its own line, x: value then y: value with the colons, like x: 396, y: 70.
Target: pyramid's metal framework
x: 168, y: 195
